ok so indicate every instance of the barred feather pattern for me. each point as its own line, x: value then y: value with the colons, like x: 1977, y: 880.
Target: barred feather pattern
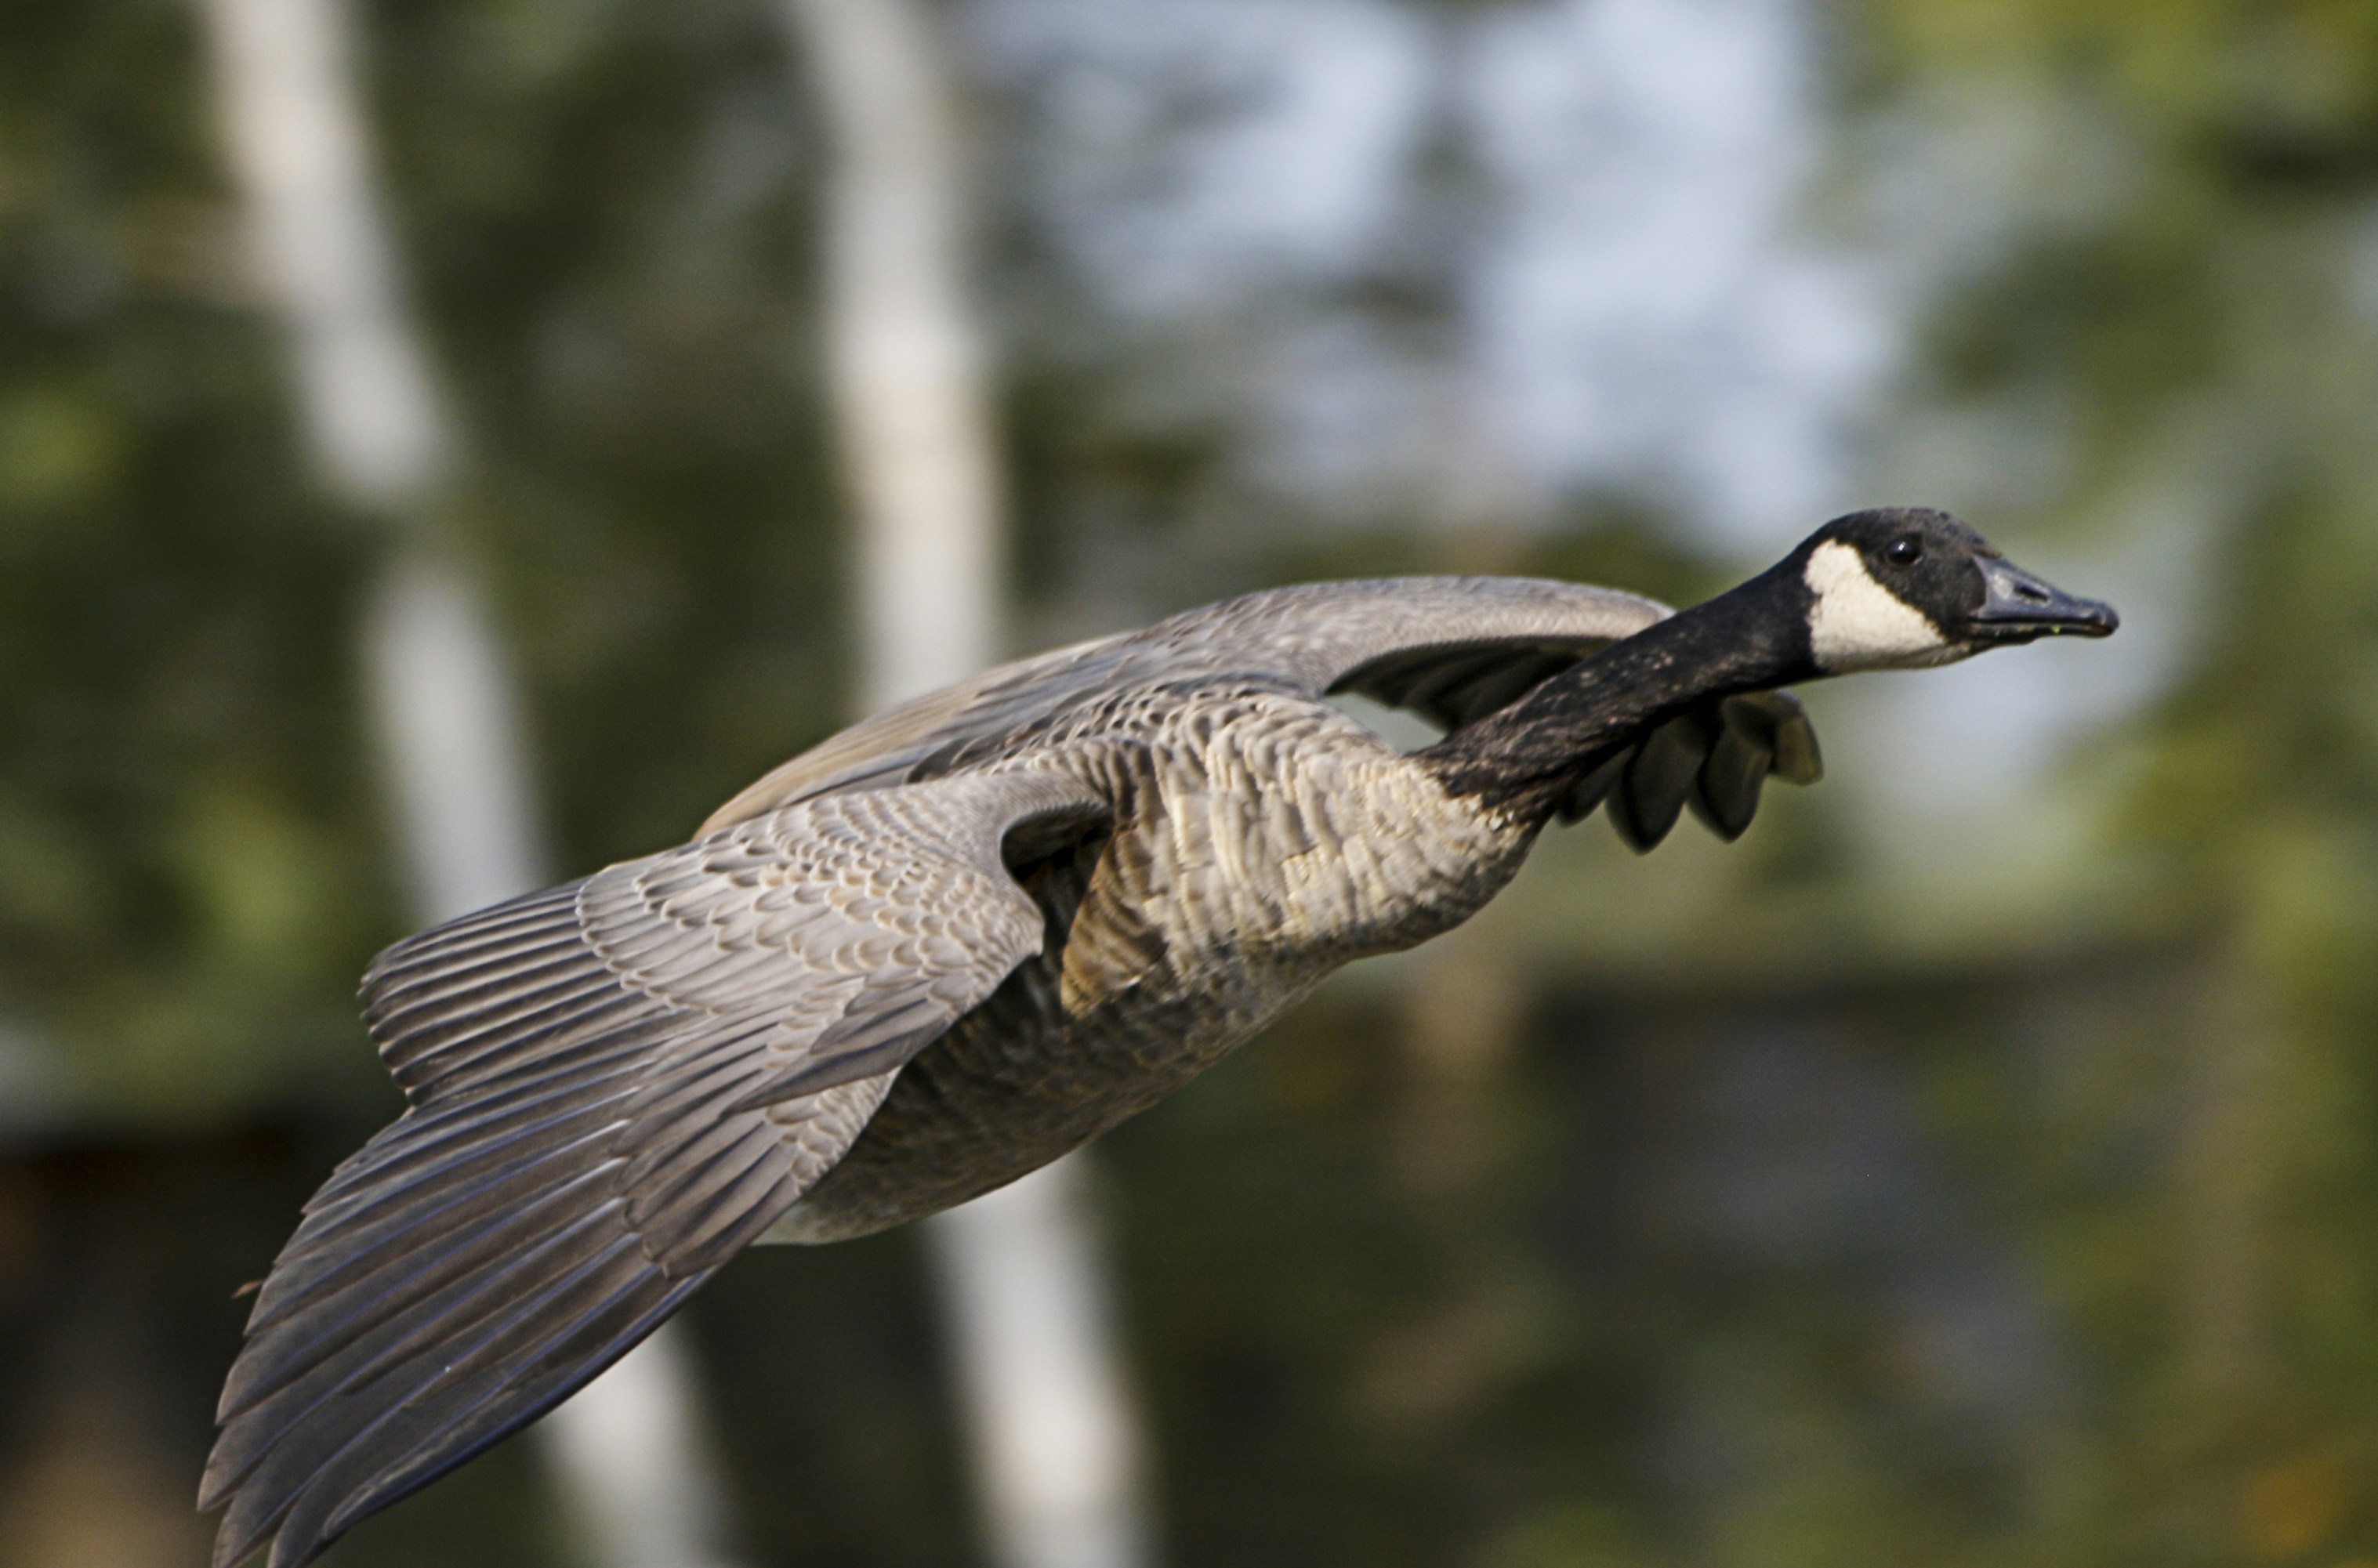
x: 591, y: 1132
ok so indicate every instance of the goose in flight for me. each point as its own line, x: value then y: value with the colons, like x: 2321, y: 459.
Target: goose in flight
x: 957, y: 940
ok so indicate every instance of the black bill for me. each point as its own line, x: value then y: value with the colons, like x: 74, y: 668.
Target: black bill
x: 2019, y: 607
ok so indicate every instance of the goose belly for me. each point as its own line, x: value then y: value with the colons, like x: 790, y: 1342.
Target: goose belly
x: 1019, y: 1082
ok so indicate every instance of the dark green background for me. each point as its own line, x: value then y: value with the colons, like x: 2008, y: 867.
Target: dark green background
x: 1791, y: 1205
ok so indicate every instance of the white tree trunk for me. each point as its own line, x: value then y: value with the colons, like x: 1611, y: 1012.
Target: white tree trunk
x: 626, y: 1450
x: 1054, y: 1446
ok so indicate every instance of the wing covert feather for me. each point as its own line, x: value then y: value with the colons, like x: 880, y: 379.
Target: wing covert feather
x: 1314, y: 638
x: 1451, y: 648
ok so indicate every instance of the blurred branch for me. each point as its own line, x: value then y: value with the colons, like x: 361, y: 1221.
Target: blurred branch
x: 625, y: 1448
x: 1052, y: 1435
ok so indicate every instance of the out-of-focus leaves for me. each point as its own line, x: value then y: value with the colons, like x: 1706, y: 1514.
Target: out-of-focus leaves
x: 1815, y: 1223
x: 600, y: 206
x: 2302, y: 72
x: 2204, y: 325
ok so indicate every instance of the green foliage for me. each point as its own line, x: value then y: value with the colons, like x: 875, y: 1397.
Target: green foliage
x: 186, y: 870
x: 602, y: 212
x: 2238, y: 79
x: 1388, y: 1308
x: 2209, y: 324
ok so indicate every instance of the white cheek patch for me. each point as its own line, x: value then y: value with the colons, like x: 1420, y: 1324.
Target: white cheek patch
x: 1856, y: 623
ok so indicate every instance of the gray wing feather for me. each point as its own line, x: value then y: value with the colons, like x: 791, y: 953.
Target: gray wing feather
x: 607, y: 1100
x: 1452, y: 647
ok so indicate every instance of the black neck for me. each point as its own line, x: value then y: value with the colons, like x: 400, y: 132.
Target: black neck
x: 1525, y: 758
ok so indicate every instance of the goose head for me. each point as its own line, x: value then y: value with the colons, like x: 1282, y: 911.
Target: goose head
x: 1908, y: 587
x: 1897, y: 588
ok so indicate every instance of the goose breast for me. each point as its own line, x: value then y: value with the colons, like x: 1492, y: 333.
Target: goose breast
x: 1261, y: 841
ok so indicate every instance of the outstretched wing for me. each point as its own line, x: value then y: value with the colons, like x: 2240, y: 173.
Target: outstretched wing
x: 1448, y: 645
x: 615, y: 1086
x: 1451, y: 648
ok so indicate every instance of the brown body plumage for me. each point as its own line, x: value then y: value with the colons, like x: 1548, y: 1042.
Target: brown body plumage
x: 1262, y: 839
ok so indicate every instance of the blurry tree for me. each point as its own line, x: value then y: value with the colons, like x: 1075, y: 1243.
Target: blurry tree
x: 188, y: 860
x: 602, y: 214
x: 1817, y: 1217
x: 2197, y: 299
x: 1055, y: 1443
x: 218, y: 851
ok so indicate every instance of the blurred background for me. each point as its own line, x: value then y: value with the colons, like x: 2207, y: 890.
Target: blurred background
x: 1977, y: 1165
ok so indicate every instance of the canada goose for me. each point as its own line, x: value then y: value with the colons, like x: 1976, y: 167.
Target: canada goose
x: 960, y: 939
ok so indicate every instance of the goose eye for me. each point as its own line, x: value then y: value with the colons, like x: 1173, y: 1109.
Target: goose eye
x: 1904, y: 552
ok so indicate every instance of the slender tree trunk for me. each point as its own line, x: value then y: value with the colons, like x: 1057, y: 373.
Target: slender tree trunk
x: 625, y: 1450
x: 1054, y: 1441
